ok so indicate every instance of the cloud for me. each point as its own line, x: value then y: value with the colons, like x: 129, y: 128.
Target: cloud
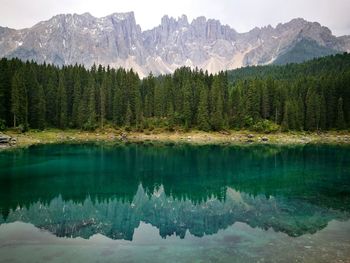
x: 242, y: 15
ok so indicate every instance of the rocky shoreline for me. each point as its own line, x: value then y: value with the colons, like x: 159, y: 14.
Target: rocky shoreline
x: 11, y: 139
x: 7, y: 141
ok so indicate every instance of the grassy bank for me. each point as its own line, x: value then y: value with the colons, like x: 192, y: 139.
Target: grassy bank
x: 196, y: 137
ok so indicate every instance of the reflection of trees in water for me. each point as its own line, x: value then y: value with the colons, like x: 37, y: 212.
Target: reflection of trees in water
x: 302, y: 180
x: 118, y: 219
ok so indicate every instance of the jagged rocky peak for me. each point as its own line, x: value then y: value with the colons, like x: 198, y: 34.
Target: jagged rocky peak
x: 123, y: 16
x: 170, y: 23
x: 117, y: 40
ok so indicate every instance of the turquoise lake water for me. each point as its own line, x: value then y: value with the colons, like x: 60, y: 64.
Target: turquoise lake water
x: 175, y: 203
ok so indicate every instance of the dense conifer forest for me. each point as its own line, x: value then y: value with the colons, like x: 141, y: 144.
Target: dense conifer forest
x: 312, y: 96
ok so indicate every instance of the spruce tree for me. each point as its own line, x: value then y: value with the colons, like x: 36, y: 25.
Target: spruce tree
x: 203, y: 114
x: 340, y: 122
x: 187, y: 112
x: 19, y: 100
x: 41, y: 109
x: 216, y: 118
x: 128, y: 116
x: 76, y: 101
x: 91, y: 106
x: 103, y: 91
x: 62, y: 102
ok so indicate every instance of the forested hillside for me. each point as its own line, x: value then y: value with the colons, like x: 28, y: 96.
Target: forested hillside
x: 311, y: 96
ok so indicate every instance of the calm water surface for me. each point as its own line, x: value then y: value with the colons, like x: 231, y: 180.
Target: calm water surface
x: 175, y: 203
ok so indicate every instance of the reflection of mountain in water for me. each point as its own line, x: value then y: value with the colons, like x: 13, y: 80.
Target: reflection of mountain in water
x: 118, y: 219
x: 82, y: 190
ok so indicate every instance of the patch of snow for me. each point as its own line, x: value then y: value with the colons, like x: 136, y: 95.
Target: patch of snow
x: 64, y: 43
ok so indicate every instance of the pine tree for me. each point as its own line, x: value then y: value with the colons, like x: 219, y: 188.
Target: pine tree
x: 51, y: 100
x: 91, y: 106
x: 312, y: 119
x: 5, y: 92
x: 41, y: 108
x: 265, y: 103
x: 103, y: 90
x: 216, y: 118
x: 128, y: 116
x: 76, y: 101
x: 340, y: 122
x: 19, y: 100
x: 203, y: 114
x: 187, y: 113
x: 286, y: 123
x: 62, y: 102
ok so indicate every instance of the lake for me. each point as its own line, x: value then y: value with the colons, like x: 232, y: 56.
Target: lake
x: 175, y: 203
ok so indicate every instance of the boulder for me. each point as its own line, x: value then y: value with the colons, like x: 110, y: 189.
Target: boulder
x: 264, y: 139
x: 123, y: 137
x: 250, y: 136
x: 4, y: 139
x: 224, y: 132
x: 13, y: 141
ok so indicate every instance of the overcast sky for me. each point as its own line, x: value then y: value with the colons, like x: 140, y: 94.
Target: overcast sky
x: 242, y: 15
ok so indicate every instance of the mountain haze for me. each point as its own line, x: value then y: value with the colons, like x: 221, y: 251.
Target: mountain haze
x: 117, y: 40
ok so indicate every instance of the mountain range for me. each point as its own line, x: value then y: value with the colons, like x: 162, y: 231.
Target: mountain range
x: 117, y: 40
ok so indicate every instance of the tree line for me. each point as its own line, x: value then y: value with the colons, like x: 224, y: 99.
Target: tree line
x: 311, y: 96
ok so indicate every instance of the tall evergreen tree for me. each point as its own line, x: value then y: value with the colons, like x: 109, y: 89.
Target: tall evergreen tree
x: 91, y: 106
x: 216, y: 118
x: 312, y: 119
x: 103, y: 91
x: 187, y: 112
x: 41, y: 108
x: 340, y: 122
x: 62, y: 102
x: 19, y: 100
x: 76, y: 117
x: 203, y: 113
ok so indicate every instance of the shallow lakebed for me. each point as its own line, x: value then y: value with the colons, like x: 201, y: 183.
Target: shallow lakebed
x: 175, y: 203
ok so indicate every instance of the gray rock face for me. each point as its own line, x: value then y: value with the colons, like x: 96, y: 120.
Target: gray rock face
x: 117, y: 40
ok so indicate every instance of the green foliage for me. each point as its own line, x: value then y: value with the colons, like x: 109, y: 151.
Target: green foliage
x: 203, y: 112
x: 304, y: 50
x: 62, y: 102
x: 19, y: 100
x: 311, y: 96
x: 2, y: 124
x: 340, y: 122
x: 266, y: 126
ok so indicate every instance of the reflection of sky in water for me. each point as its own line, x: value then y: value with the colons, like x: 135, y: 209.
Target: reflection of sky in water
x: 180, y: 202
x: 23, y: 242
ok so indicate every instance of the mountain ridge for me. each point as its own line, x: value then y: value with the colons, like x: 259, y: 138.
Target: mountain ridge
x: 117, y: 40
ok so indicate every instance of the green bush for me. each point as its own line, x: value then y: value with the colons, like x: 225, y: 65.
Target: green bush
x: 266, y: 126
x: 89, y: 126
x: 2, y: 125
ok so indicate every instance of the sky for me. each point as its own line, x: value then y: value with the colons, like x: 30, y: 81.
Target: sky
x: 242, y: 15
